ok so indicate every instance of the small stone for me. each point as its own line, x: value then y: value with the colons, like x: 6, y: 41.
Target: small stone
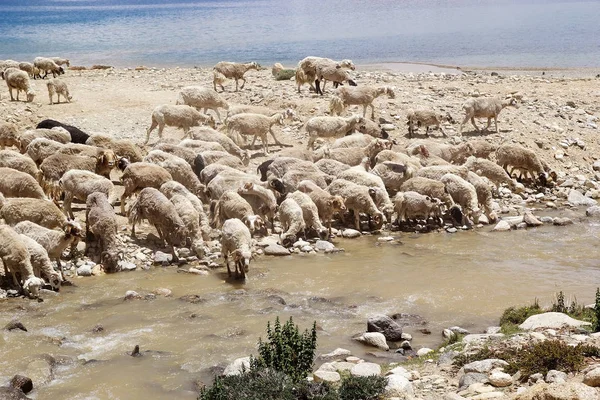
x: 127, y: 266
x: 448, y: 334
x: 366, y: 369
x: 163, y: 259
x: 84, y: 270
x: 132, y: 294
x: 163, y: 292
x: 300, y: 244
x: 385, y: 239
x: 406, y: 336
x: 350, y: 233
x: 593, y: 211
x: 406, y: 345
x: 531, y: 220
x: 422, y: 352
x: 500, y: 379
x: 11, y: 326
x: 306, y: 249
x: 451, y: 229
x: 375, y: 339
x: 276, y: 250
x: 197, y: 271
x: 323, y: 245
x: 502, y: 226
x: 337, y: 353
x: 564, y: 221
x: 596, y: 166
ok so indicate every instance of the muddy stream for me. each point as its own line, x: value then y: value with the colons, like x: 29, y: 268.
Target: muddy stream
x: 464, y: 279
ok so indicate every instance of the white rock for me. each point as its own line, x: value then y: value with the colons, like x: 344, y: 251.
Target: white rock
x: 556, y: 376
x: 337, y: 353
x: 424, y: 351
x: 236, y: 367
x: 351, y: 233
x: 502, y: 226
x: 326, y: 376
x: 84, y: 270
x: 552, y: 320
x: 592, y: 378
x: 484, y: 366
x: 397, y: 385
x: 365, y: 369
x: 375, y: 339
x: 323, y: 245
x: 500, y: 379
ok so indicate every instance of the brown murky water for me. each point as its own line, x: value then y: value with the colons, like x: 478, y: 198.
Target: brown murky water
x: 464, y: 279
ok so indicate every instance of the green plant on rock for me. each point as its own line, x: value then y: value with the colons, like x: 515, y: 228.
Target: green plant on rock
x: 597, y: 311
x: 287, y: 350
x: 362, y: 387
x: 559, y: 306
x: 261, y: 384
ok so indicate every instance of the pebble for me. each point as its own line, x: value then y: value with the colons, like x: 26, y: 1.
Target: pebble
x: 323, y: 245
x: 276, y: 250
x: 127, y: 266
x: 326, y: 376
x: 84, y: 270
x: 562, y: 221
x: 424, y: 351
x: 132, y: 294
x: 163, y: 259
x: 502, y: 226
x: 351, y: 233
x: 385, y: 239
x: 500, y: 379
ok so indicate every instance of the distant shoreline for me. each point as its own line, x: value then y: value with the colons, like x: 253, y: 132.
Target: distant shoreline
x: 425, y: 67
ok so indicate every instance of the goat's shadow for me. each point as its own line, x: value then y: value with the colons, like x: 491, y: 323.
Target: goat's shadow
x: 232, y: 280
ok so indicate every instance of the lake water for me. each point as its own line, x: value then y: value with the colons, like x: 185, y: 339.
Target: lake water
x: 514, y: 33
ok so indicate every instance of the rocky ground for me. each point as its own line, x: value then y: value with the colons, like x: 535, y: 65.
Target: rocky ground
x: 558, y: 118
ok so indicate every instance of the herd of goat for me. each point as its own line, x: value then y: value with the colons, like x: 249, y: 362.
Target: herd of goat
x: 200, y: 188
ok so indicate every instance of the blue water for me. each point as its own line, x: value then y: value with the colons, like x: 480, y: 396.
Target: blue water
x: 513, y: 33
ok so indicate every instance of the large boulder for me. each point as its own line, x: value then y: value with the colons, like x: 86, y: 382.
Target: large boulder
x: 559, y: 391
x: 384, y: 324
x: 551, y: 320
x: 592, y: 378
x: 578, y: 199
x: 366, y: 369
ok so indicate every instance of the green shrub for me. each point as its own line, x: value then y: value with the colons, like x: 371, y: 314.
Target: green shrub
x: 362, y: 387
x: 517, y: 315
x: 316, y: 391
x: 251, y: 385
x: 543, y: 356
x: 559, y: 306
x: 589, y: 350
x: 287, y: 350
